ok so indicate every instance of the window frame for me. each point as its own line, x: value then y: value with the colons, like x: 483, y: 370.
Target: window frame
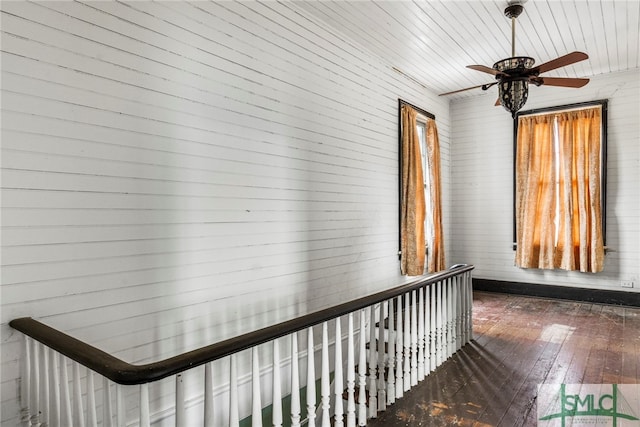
x: 428, y: 115
x: 603, y: 103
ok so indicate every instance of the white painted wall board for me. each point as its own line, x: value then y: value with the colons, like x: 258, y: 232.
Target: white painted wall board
x: 166, y: 169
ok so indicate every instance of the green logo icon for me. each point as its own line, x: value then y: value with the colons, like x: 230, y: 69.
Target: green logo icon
x: 585, y: 404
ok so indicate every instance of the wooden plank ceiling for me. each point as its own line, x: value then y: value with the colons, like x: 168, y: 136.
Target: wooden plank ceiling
x: 432, y: 41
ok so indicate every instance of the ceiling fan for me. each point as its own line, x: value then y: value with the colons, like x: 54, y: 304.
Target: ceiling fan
x: 514, y: 74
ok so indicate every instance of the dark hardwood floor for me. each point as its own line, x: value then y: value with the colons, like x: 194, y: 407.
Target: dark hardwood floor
x: 521, y: 342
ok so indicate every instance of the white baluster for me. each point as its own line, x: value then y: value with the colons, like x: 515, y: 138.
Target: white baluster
x: 66, y: 417
x: 276, y: 418
x: 454, y: 317
x: 462, y: 310
x: 34, y: 398
x: 399, y: 349
x: 256, y: 406
x: 145, y: 416
x: 325, y: 382
x: 467, y: 298
x: 443, y: 341
x: 362, y: 363
x: 450, y: 317
x: 234, y: 420
x: 54, y: 389
x: 469, y: 311
x: 208, y: 395
x: 445, y: 320
x: 382, y: 387
x: 25, y: 375
x: 422, y: 358
x: 180, y: 404
x: 121, y: 409
x: 92, y: 417
x: 351, y: 376
x: 456, y: 311
x: 295, y: 382
x: 338, y: 385
x: 434, y: 329
x: 311, y: 380
x: 470, y: 300
x: 439, y: 324
x: 414, y: 339
x: 391, y: 353
x: 44, y: 385
x: 465, y: 308
x: 373, y: 392
x: 78, y: 410
x: 465, y: 334
x: 107, y: 406
x: 421, y: 334
x: 407, y: 343
x: 427, y: 331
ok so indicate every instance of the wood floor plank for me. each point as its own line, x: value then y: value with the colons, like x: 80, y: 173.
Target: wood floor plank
x: 630, y: 371
x: 508, y: 346
x: 521, y: 342
x: 576, y: 313
x: 613, y: 350
x: 525, y: 330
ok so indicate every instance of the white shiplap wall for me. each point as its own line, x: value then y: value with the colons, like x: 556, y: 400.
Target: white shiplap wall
x: 176, y: 173
x: 482, y: 183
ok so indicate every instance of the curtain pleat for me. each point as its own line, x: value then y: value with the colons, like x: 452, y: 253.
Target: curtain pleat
x: 558, y: 211
x: 580, y: 241
x: 412, y: 244
x: 436, y: 260
x: 535, y: 192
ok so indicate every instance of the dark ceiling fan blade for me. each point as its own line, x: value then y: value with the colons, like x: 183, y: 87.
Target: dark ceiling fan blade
x: 484, y: 87
x: 561, y: 81
x: 486, y: 69
x: 562, y: 61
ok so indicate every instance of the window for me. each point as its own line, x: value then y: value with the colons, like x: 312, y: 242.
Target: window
x: 420, y: 194
x: 559, y: 185
x: 421, y: 127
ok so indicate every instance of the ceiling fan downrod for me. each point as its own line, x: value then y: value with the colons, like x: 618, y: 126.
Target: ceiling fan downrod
x: 513, y: 11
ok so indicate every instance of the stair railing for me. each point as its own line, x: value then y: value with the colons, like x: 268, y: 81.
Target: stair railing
x: 394, y: 339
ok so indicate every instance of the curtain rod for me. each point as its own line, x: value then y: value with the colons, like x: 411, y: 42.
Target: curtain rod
x: 566, y: 107
x: 402, y: 102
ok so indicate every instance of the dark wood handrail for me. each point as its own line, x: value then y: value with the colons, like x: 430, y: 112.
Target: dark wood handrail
x: 122, y: 372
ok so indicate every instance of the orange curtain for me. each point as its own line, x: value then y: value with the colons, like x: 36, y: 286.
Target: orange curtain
x: 535, y: 192
x: 412, y: 245
x: 580, y: 241
x: 436, y: 245
x: 558, y: 212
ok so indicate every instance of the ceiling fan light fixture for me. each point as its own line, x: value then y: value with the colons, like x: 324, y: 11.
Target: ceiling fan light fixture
x: 513, y: 94
x: 514, y: 64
